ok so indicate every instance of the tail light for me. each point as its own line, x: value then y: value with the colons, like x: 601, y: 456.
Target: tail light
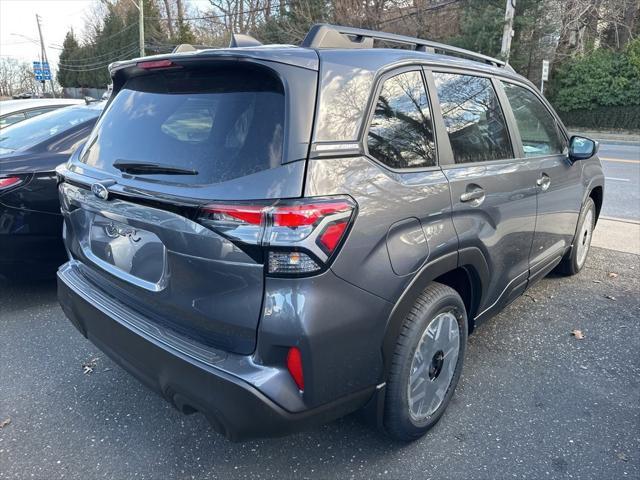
x: 299, y: 237
x: 8, y: 182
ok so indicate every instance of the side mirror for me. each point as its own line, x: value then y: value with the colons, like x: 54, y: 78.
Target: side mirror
x: 581, y: 148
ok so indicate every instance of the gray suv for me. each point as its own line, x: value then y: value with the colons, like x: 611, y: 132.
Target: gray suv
x: 277, y: 236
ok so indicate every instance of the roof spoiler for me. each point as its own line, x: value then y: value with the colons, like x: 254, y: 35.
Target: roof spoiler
x: 323, y: 35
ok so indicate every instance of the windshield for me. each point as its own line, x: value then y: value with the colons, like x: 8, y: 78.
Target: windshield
x: 219, y: 124
x: 33, y: 131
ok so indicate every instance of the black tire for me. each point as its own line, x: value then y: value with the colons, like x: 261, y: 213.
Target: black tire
x: 398, y: 418
x: 572, y: 262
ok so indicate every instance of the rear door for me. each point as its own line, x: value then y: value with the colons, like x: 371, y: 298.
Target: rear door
x: 558, y: 182
x: 493, y: 192
x: 170, y: 142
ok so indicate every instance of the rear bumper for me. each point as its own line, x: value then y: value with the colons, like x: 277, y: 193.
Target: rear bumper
x: 209, y: 382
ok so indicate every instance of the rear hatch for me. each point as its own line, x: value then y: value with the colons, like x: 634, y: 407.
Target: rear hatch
x: 180, y: 133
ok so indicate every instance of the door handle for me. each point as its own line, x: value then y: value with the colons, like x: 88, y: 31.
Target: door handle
x: 475, y: 196
x: 543, y: 182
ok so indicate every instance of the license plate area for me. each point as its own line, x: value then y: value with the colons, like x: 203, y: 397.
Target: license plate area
x: 130, y: 253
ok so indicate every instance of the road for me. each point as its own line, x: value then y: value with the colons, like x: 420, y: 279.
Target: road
x: 621, y: 164
x: 533, y: 402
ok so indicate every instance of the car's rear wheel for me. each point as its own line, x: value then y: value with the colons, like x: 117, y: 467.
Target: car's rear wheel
x: 575, y: 259
x: 427, y: 363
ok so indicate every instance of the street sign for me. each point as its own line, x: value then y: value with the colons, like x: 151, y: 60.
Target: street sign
x: 41, y: 71
x: 545, y: 70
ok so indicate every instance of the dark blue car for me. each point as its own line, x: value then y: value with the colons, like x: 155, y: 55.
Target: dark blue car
x: 30, y: 219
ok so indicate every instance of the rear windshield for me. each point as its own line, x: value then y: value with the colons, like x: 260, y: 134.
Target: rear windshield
x: 219, y: 124
x: 33, y: 131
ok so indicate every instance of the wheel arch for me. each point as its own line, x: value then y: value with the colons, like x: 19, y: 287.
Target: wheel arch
x: 596, y: 194
x: 466, y: 271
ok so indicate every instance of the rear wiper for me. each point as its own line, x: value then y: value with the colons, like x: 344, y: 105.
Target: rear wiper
x: 142, y: 168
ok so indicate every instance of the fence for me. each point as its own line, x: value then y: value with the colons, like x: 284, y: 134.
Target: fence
x: 79, y: 92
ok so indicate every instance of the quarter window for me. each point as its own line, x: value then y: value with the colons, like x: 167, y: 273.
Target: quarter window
x: 537, y: 127
x: 401, y: 131
x: 473, y: 118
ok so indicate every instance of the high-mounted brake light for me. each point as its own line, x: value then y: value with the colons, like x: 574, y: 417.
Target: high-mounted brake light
x: 154, y: 64
x: 299, y: 235
x: 8, y: 182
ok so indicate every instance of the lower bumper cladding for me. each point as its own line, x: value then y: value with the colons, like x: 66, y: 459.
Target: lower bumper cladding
x: 190, y: 381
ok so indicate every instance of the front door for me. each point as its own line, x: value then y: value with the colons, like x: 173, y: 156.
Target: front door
x: 558, y: 180
x: 493, y: 192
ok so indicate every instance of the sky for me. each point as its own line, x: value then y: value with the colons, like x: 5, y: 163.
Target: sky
x: 18, y: 17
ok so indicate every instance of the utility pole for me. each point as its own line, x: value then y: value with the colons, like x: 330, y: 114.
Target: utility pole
x: 507, y: 33
x: 141, y: 26
x: 140, y: 7
x: 44, y: 60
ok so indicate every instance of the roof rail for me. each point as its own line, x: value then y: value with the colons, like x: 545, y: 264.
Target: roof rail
x: 324, y: 35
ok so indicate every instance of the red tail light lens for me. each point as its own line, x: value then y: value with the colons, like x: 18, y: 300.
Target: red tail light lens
x: 300, y: 235
x: 294, y: 365
x: 240, y: 214
x: 8, y: 182
x: 331, y: 236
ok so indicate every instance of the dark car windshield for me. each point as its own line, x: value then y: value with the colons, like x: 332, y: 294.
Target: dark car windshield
x: 219, y: 123
x: 33, y: 131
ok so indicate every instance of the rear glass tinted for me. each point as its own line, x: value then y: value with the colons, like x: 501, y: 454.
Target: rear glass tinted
x: 473, y: 117
x: 222, y: 123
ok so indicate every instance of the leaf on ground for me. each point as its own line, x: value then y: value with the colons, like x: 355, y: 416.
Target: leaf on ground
x: 612, y: 275
x: 610, y: 297
x: 578, y: 334
x: 623, y: 457
x: 597, y: 281
x: 90, y: 365
x: 5, y: 422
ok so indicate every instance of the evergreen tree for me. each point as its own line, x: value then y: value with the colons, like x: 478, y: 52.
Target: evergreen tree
x: 70, y: 50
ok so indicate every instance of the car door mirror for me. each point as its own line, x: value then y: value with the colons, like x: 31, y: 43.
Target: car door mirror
x: 581, y: 148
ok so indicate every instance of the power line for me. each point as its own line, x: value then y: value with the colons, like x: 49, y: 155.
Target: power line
x: 98, y: 66
x: 223, y: 15
x: 87, y: 61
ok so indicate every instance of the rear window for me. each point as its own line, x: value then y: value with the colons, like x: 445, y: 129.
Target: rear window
x: 220, y: 123
x: 31, y: 132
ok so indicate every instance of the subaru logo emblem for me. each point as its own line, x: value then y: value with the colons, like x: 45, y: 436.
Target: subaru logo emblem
x: 100, y: 191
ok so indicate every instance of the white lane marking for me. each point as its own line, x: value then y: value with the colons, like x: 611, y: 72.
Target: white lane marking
x: 617, y: 179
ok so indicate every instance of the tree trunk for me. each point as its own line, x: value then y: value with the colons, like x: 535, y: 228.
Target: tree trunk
x: 167, y: 7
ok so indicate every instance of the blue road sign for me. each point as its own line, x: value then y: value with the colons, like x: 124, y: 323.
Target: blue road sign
x: 41, y: 71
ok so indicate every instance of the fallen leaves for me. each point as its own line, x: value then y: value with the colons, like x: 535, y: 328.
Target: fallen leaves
x: 5, y: 422
x: 578, y: 334
x: 610, y: 297
x: 90, y: 365
x: 612, y: 275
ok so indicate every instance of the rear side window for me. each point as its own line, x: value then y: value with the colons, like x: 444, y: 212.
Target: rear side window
x: 11, y: 118
x: 401, y: 131
x: 221, y: 123
x: 473, y: 118
x: 538, y: 129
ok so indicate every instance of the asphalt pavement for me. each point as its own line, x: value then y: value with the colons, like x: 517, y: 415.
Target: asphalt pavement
x: 621, y: 165
x: 534, y: 401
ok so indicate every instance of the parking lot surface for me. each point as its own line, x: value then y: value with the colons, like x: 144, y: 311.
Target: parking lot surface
x: 534, y: 401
